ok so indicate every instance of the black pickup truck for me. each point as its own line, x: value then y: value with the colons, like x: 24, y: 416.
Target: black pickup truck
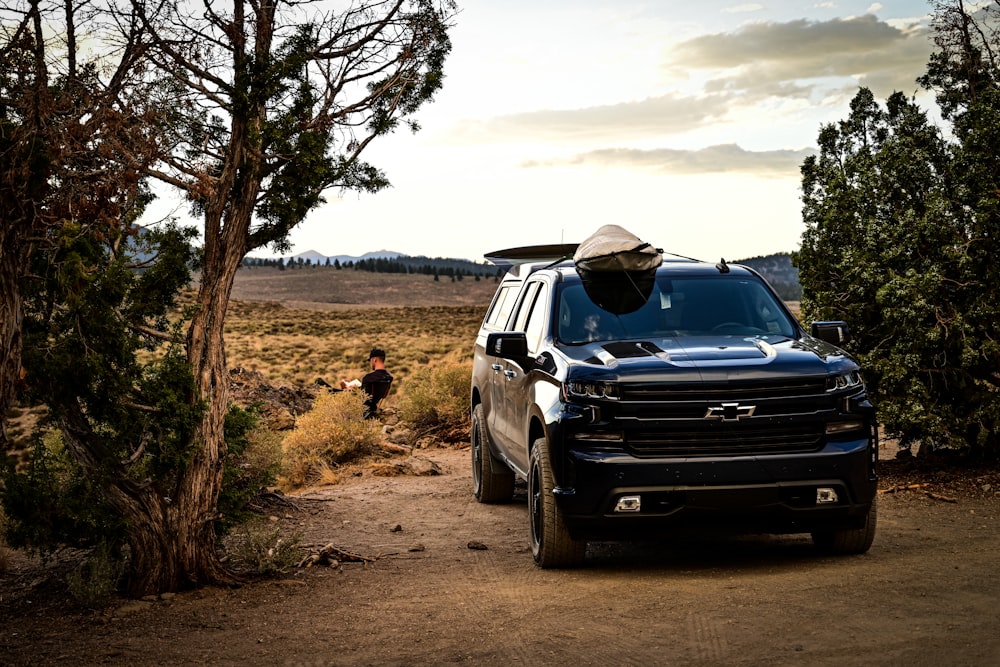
x: 704, y: 405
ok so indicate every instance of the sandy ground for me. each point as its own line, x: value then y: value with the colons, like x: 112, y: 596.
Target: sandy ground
x: 452, y: 582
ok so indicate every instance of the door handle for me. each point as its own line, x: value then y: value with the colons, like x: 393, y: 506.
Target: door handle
x: 496, y: 368
x: 510, y: 374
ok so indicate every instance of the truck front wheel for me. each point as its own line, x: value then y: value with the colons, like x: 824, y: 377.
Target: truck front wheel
x: 849, y: 540
x: 551, y: 544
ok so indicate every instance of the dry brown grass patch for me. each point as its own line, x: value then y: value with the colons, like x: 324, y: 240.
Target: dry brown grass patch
x: 331, y: 434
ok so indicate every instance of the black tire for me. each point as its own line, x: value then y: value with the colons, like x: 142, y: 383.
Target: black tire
x: 849, y: 540
x: 492, y: 481
x: 551, y: 544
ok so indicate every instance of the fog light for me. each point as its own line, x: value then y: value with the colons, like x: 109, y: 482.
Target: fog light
x: 826, y: 496
x: 628, y: 504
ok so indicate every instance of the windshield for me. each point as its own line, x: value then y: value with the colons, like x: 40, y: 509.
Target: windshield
x: 703, y: 306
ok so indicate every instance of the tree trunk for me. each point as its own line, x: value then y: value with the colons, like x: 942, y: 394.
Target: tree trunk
x: 13, y: 259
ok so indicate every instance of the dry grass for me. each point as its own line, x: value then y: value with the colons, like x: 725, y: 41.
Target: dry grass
x: 331, y: 434
x: 301, y: 345
x: 437, y: 400
x: 325, y: 288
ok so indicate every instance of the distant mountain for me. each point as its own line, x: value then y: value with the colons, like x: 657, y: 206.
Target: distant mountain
x: 319, y: 258
x: 383, y: 261
x: 777, y: 269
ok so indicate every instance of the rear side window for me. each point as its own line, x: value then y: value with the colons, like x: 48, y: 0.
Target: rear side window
x: 499, y: 312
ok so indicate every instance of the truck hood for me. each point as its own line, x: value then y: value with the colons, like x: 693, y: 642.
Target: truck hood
x: 708, y: 356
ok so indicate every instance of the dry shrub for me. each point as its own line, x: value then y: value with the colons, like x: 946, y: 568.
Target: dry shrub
x: 332, y: 433
x: 259, y: 547
x: 436, y: 399
x: 94, y: 582
x: 4, y: 550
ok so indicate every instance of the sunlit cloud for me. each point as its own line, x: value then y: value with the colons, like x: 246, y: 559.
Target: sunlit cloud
x: 802, y: 60
x: 656, y: 115
x: 725, y: 158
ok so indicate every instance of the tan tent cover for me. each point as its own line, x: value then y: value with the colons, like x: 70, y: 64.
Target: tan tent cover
x: 612, y: 248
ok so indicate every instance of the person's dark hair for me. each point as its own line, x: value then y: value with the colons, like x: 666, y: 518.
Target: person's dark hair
x: 377, y: 353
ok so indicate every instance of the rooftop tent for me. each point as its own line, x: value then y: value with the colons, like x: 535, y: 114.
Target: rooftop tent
x: 617, y: 268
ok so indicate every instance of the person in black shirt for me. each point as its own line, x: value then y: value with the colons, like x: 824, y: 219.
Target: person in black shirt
x: 376, y: 383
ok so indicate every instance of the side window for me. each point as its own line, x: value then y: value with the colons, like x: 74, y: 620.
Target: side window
x: 525, y: 308
x: 502, y: 305
x: 535, y: 328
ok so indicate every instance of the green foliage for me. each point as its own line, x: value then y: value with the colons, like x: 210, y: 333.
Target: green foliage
x: 253, y: 462
x: 94, y: 582
x: 98, y: 299
x: 900, y: 240
x: 437, y: 399
x: 51, y: 503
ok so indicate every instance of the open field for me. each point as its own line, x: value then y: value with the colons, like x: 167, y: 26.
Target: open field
x: 298, y: 325
x: 326, y: 288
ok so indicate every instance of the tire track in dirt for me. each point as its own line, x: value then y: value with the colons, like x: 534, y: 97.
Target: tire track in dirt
x: 499, y: 595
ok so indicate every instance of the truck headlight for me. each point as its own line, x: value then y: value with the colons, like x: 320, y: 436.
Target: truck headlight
x: 852, y: 380
x: 586, y: 389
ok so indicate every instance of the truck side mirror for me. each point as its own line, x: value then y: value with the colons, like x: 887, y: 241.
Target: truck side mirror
x: 507, y: 344
x: 836, y: 332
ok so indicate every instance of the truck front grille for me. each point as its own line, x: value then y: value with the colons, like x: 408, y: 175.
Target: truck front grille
x: 722, y: 439
x: 725, y: 418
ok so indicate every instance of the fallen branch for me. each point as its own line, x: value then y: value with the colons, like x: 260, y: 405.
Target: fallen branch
x: 331, y: 555
x: 919, y: 487
x: 903, y: 487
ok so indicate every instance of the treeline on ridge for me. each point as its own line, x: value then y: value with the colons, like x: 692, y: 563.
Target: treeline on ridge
x: 456, y: 269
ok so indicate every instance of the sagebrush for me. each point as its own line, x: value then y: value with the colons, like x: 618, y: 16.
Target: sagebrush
x: 94, y: 582
x: 332, y: 433
x: 260, y: 548
x: 437, y: 400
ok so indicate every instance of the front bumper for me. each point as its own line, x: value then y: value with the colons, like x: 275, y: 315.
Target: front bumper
x: 773, y: 493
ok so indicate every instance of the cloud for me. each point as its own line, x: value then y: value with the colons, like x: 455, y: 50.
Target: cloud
x: 801, y: 60
x: 770, y: 56
x: 656, y: 115
x: 724, y: 158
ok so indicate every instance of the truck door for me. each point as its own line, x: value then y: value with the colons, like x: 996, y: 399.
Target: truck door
x: 532, y: 318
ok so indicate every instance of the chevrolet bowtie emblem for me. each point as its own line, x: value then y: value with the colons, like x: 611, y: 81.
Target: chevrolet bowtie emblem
x: 730, y: 412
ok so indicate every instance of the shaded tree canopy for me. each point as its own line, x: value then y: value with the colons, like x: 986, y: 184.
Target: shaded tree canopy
x: 254, y: 110
x: 902, y: 223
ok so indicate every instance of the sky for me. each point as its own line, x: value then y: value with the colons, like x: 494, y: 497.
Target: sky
x: 683, y: 122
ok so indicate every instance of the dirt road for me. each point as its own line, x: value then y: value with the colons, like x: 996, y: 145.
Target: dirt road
x: 926, y: 594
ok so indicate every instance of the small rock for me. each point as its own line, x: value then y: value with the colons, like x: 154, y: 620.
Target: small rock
x: 416, y: 547
x: 477, y: 546
x: 167, y: 597
x: 423, y: 467
x: 131, y: 607
x: 396, y: 529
